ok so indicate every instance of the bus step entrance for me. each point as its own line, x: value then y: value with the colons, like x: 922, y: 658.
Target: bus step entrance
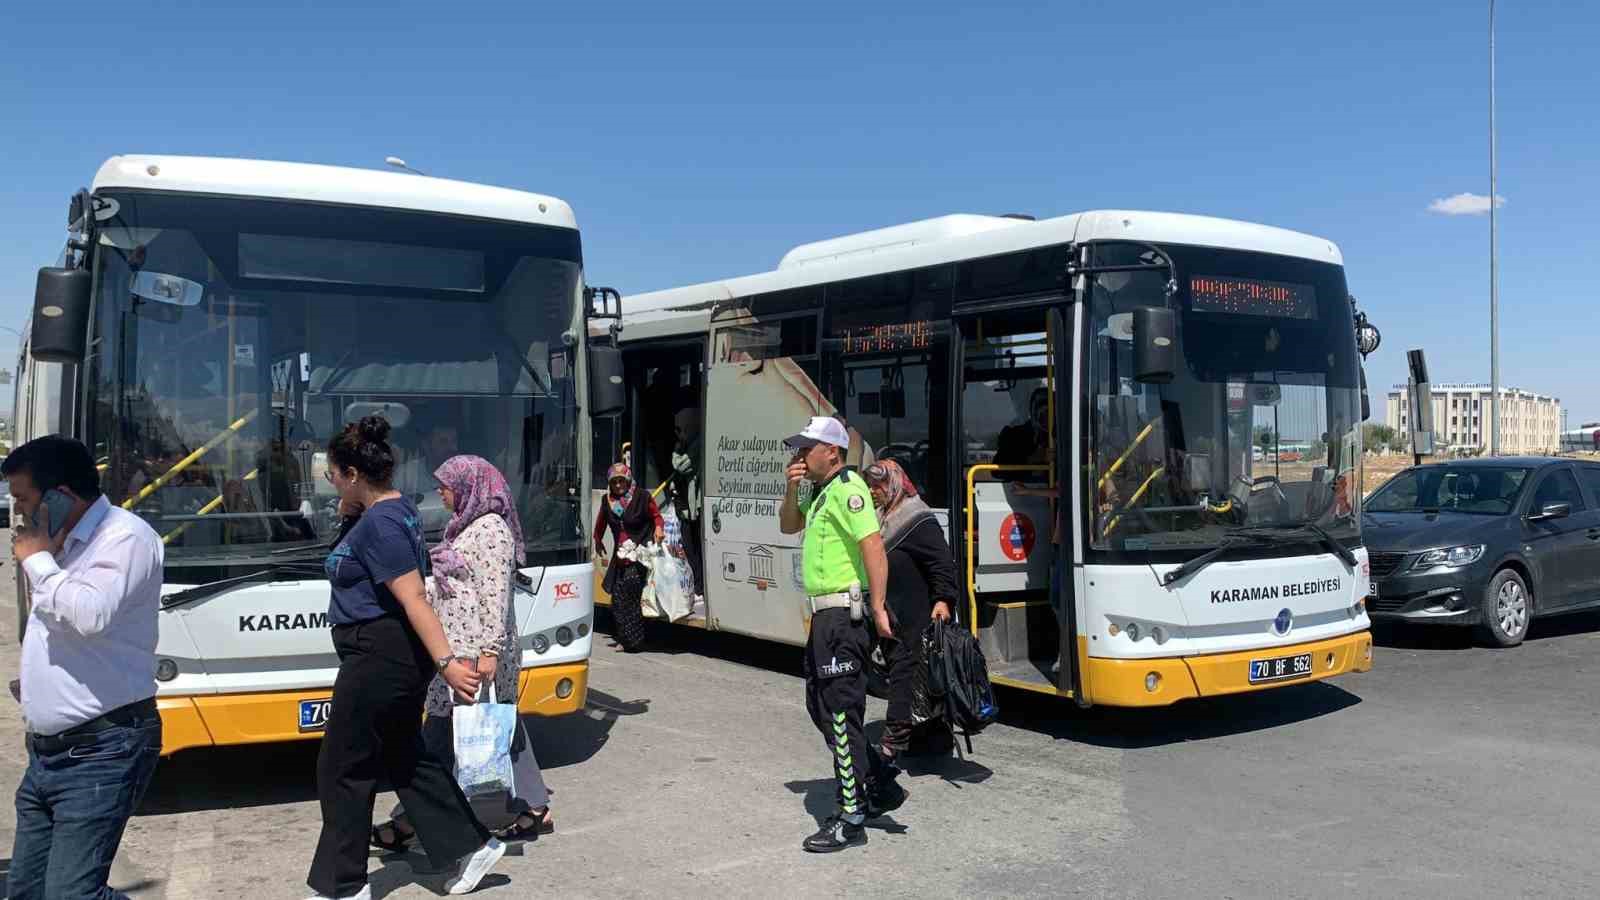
x: 1019, y: 637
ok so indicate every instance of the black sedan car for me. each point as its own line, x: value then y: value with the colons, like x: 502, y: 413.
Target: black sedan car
x: 1485, y: 542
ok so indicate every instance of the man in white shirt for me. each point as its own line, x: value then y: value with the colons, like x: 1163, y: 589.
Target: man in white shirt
x: 88, y: 670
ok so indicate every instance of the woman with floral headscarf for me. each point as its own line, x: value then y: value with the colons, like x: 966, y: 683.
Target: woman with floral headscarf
x: 922, y: 587
x: 470, y: 589
x: 629, y: 514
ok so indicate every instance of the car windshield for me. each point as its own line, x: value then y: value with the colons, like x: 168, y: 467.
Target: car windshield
x: 1257, y: 426
x: 1479, y: 490
x: 234, y: 337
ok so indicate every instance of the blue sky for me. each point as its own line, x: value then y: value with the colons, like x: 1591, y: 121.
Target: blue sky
x: 700, y: 140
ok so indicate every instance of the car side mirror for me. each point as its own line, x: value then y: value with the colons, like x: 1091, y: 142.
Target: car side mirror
x: 1551, y: 511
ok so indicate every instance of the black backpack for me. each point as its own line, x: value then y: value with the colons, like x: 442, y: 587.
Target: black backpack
x: 958, y: 678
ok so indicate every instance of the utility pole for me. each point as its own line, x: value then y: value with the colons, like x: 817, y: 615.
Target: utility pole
x: 1494, y: 292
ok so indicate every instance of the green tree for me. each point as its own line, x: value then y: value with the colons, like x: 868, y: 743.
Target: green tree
x: 1266, y: 438
x: 1377, y: 437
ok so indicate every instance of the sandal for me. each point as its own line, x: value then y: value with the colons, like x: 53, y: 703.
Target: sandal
x: 517, y: 831
x: 397, y: 844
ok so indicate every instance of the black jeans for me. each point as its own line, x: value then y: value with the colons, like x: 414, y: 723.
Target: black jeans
x: 375, y: 731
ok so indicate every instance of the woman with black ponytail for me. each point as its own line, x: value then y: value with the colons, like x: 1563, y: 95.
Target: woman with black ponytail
x: 390, y: 646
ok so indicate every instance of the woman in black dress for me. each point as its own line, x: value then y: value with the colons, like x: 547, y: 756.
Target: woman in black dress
x: 630, y: 514
x: 922, y: 588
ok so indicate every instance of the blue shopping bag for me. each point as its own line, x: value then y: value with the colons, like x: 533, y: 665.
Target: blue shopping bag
x: 483, y: 734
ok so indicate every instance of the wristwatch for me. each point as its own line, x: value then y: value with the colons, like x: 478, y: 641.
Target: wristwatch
x: 443, y: 663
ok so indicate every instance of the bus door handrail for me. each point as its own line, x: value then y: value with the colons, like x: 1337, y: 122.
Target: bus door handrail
x: 191, y: 459
x: 972, y: 493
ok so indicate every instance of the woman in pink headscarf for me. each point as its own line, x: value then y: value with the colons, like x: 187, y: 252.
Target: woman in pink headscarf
x: 470, y: 589
x: 922, y: 588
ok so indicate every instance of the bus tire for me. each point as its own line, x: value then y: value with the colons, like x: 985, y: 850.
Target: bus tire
x: 1507, y: 609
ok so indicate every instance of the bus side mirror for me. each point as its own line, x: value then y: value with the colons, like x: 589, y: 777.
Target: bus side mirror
x: 1155, y: 345
x: 60, y: 315
x: 1366, y: 403
x: 608, y: 394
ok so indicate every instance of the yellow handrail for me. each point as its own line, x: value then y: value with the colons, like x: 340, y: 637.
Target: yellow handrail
x: 204, y: 510
x: 190, y: 460
x: 1135, y: 498
x: 1125, y: 454
x: 972, y: 568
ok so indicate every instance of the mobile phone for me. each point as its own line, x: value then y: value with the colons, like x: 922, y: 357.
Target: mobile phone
x: 54, y: 507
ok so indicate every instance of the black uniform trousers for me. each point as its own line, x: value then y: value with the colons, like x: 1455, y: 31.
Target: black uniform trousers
x: 375, y: 731
x: 836, y: 696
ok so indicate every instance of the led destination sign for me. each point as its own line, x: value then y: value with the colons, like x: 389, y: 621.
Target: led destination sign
x: 1252, y: 297
x: 887, y: 338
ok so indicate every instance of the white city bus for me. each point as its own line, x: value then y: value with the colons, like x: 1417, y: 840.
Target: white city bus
x: 1189, y: 387
x: 215, y: 321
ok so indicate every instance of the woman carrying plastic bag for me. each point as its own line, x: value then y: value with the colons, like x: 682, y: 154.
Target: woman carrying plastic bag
x: 470, y: 589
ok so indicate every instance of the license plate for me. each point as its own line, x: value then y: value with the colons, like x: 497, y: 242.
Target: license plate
x: 1280, y: 668
x: 314, y: 714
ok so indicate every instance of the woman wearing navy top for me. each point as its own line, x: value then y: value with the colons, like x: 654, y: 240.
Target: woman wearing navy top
x: 390, y: 645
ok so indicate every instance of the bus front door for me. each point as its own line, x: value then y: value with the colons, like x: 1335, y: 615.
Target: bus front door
x: 1012, y: 475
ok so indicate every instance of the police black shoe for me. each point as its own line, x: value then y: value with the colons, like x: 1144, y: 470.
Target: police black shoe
x: 885, y: 797
x: 836, y: 834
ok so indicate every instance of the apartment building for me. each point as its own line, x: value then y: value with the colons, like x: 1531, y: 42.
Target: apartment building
x: 1529, y: 422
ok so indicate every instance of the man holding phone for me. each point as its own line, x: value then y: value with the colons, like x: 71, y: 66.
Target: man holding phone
x: 846, y: 576
x: 88, y: 670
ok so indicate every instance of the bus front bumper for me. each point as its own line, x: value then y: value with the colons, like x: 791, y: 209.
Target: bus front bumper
x: 217, y: 720
x: 1128, y: 682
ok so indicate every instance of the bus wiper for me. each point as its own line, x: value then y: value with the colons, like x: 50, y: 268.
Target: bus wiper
x: 1234, y: 539
x: 1317, y: 533
x: 1257, y: 535
x: 273, y: 572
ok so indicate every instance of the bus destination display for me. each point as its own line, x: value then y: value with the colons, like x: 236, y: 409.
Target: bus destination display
x: 888, y: 338
x: 1252, y: 297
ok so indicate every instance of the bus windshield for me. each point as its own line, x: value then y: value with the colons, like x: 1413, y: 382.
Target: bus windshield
x: 233, y: 337
x: 1258, y: 426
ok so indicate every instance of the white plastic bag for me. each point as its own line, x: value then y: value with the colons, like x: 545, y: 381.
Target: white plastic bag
x: 483, y: 734
x: 667, y: 578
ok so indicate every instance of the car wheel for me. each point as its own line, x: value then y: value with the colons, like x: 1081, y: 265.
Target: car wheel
x: 1507, y: 608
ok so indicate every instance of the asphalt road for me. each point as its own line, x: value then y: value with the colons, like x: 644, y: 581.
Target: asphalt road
x: 1449, y: 771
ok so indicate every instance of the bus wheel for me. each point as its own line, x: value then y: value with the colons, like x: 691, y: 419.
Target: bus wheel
x: 1507, y: 608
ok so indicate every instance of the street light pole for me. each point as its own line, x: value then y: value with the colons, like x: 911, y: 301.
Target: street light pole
x: 1494, y: 290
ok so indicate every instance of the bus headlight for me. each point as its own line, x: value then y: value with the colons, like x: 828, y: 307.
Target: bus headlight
x: 541, y: 644
x: 1152, y: 681
x: 1133, y: 631
x: 1159, y: 634
x: 583, y: 629
x: 564, y: 688
x: 166, y: 670
x: 563, y: 635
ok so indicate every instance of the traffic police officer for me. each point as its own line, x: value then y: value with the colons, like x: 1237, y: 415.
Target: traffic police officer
x: 842, y: 551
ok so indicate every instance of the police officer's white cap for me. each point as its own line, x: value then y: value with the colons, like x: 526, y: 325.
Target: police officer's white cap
x: 820, y: 430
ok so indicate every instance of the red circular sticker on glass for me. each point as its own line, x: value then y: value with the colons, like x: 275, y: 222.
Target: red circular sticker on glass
x: 1016, y: 537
